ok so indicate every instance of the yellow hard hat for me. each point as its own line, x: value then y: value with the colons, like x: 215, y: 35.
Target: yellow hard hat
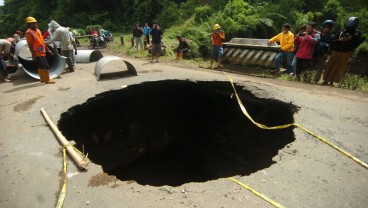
x: 30, y: 20
x: 216, y: 26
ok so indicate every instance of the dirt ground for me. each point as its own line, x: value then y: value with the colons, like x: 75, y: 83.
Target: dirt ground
x: 305, y: 173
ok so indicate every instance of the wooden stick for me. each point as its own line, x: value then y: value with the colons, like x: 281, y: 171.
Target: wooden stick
x: 81, y: 162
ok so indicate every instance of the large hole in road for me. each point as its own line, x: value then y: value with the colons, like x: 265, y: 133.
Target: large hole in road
x: 174, y: 132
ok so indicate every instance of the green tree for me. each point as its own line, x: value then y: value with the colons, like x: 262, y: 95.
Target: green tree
x: 331, y: 10
x: 203, y: 13
x: 238, y: 18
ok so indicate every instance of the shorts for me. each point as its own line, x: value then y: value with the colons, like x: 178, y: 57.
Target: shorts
x: 217, y: 52
x: 156, y: 49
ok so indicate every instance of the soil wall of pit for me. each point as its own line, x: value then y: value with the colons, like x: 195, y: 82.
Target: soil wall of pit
x: 173, y: 132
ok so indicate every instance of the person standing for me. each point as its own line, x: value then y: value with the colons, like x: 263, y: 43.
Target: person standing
x: 322, y: 50
x: 156, y: 46
x: 286, y: 40
x: 343, y: 46
x: 74, y: 51
x: 137, y: 35
x: 306, y: 41
x: 66, y: 42
x: 301, y: 29
x: 146, y: 33
x: 47, y: 35
x: 217, y: 51
x: 38, y: 49
x: 323, y: 47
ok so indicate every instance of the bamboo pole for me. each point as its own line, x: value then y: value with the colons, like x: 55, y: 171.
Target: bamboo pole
x: 81, y: 162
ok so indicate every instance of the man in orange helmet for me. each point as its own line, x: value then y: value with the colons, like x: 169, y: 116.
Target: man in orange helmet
x: 38, y: 49
x: 217, y: 51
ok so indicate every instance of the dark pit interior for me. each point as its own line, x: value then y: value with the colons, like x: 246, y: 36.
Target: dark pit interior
x: 174, y: 132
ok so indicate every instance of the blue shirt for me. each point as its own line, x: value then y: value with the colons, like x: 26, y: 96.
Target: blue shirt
x: 146, y: 30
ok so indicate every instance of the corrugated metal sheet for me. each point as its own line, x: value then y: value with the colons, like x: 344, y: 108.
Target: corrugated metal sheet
x: 107, y: 59
x: 57, y: 63
x: 87, y: 56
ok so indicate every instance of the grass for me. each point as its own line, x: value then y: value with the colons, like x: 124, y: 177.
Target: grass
x: 127, y: 49
x: 349, y: 81
x: 355, y: 82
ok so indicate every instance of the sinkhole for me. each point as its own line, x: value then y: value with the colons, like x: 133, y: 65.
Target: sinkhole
x: 174, y: 132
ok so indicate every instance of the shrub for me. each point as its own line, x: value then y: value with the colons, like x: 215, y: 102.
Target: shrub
x: 355, y: 82
x: 331, y: 10
x: 203, y: 13
x: 169, y: 16
x: 90, y: 27
x: 196, y: 35
x: 238, y: 19
x: 110, y: 26
x: 78, y: 31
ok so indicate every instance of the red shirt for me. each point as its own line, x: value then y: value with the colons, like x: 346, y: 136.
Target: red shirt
x: 306, y: 46
x: 46, y: 34
x: 218, y: 38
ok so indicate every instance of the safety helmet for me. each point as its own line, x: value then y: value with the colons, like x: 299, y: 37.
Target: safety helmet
x: 30, y: 20
x: 328, y: 23
x: 351, y: 23
x: 216, y: 27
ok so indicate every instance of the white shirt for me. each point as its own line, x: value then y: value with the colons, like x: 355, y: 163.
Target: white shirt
x: 62, y: 34
x: 5, y: 47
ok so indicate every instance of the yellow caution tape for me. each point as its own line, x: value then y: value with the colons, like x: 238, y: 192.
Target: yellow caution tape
x: 63, y: 190
x: 62, y: 195
x: 293, y: 124
x: 275, y: 204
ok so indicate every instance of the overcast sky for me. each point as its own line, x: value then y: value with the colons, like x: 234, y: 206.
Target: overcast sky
x: 1, y: 2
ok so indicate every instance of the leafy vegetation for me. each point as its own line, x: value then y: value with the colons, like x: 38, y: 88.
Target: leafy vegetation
x: 355, y: 82
x: 238, y: 17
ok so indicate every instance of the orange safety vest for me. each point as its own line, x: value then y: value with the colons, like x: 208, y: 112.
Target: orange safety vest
x: 35, y: 39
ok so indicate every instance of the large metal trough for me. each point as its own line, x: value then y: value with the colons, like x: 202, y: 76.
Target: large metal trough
x: 248, y: 51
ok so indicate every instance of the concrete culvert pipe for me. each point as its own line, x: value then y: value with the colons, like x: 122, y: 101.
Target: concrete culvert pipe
x: 87, y: 56
x: 56, y: 62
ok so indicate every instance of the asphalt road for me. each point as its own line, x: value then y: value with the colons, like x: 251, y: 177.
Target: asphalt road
x: 306, y: 173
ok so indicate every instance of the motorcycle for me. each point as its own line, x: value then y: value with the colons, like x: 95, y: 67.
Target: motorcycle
x: 108, y: 37
x: 97, y: 42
